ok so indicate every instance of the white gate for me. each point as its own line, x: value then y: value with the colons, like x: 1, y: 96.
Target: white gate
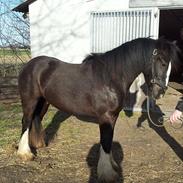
x: 109, y: 29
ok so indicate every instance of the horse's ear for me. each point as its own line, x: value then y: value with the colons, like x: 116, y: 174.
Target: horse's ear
x: 176, y: 47
x: 165, y: 45
x: 174, y: 42
x: 162, y: 39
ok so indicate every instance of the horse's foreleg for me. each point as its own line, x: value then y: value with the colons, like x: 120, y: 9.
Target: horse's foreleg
x: 106, y: 169
x: 37, y: 135
x: 28, y: 106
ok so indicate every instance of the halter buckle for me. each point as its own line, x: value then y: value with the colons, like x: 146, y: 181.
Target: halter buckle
x: 155, y: 52
x: 153, y: 81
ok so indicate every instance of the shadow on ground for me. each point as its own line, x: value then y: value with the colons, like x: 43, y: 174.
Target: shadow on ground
x: 161, y: 131
x: 59, y: 118
x: 54, y: 125
x: 93, y: 157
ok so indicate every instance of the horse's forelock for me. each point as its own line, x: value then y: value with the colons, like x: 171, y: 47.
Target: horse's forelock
x: 171, y: 50
x: 176, y: 58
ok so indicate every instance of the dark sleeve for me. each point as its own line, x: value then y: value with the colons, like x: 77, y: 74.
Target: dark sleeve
x: 180, y: 105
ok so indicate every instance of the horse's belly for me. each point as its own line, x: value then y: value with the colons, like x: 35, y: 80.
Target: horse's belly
x: 71, y: 103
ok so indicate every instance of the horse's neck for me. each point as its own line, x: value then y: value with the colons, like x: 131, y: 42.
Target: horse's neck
x: 136, y: 69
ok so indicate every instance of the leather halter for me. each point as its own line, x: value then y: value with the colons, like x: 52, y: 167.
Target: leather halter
x: 156, y: 79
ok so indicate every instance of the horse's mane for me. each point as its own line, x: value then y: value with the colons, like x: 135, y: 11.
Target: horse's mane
x: 120, y: 59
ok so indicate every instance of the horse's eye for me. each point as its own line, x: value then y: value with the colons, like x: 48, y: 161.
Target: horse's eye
x: 163, y: 64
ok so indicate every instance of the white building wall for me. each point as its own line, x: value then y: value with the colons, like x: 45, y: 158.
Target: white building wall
x: 61, y: 28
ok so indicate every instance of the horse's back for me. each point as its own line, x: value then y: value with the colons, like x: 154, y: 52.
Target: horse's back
x: 37, y: 64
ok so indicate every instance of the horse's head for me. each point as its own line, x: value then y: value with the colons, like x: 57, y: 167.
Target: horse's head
x: 161, y: 68
x: 164, y: 54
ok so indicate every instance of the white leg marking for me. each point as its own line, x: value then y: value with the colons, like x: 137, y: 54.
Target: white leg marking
x: 105, y: 168
x: 168, y: 73
x: 23, y: 147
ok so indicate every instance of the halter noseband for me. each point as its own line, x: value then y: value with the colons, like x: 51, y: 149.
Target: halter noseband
x: 156, y: 79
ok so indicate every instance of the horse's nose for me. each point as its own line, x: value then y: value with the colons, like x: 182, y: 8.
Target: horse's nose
x: 165, y: 88
x: 162, y: 91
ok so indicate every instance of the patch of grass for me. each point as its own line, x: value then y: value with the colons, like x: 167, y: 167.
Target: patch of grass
x: 11, y: 61
x: 10, y: 123
x: 130, y: 114
x: 49, y: 116
x: 11, y: 52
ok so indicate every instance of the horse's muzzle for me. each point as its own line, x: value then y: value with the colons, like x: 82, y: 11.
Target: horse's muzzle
x: 157, y: 91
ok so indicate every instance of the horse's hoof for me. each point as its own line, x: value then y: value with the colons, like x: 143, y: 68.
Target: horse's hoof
x: 107, y: 174
x: 111, y: 177
x: 107, y: 168
x: 26, y: 156
x: 39, y: 145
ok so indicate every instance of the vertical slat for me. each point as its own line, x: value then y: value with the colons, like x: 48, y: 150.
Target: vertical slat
x: 119, y: 28
x: 137, y: 24
x: 101, y: 31
x: 124, y: 26
x: 147, y: 24
x: 133, y: 25
x: 112, y: 30
x: 141, y: 24
x: 116, y: 31
x: 122, y: 22
x: 104, y: 31
x: 91, y: 31
x: 109, y: 28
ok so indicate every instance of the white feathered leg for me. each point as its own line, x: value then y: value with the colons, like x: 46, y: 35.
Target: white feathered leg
x: 106, y: 167
x: 24, y: 151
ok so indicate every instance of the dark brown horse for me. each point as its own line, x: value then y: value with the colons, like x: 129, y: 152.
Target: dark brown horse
x: 95, y: 88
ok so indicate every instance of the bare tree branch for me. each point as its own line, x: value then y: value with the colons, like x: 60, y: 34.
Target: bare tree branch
x: 14, y: 37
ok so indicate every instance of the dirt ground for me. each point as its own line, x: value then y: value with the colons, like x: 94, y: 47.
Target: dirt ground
x: 145, y: 154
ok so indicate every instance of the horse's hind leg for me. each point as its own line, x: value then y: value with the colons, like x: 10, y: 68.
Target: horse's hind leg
x: 24, y: 150
x: 107, y: 167
x: 36, y: 136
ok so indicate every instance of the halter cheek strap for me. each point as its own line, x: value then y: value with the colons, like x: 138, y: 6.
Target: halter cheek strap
x: 159, y: 82
x: 154, y: 54
x: 156, y: 79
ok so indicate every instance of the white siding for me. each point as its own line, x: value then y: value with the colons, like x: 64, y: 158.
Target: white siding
x: 62, y: 28
x: 156, y: 3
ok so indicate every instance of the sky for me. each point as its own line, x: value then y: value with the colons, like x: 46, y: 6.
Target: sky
x: 7, y: 5
x: 9, y: 23
x: 10, y: 3
x: 16, y: 2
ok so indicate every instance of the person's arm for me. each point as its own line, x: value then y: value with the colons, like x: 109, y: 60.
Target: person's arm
x: 176, y: 115
x: 180, y: 105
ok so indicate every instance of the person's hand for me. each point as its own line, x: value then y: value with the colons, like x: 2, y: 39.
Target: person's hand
x: 175, y: 116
